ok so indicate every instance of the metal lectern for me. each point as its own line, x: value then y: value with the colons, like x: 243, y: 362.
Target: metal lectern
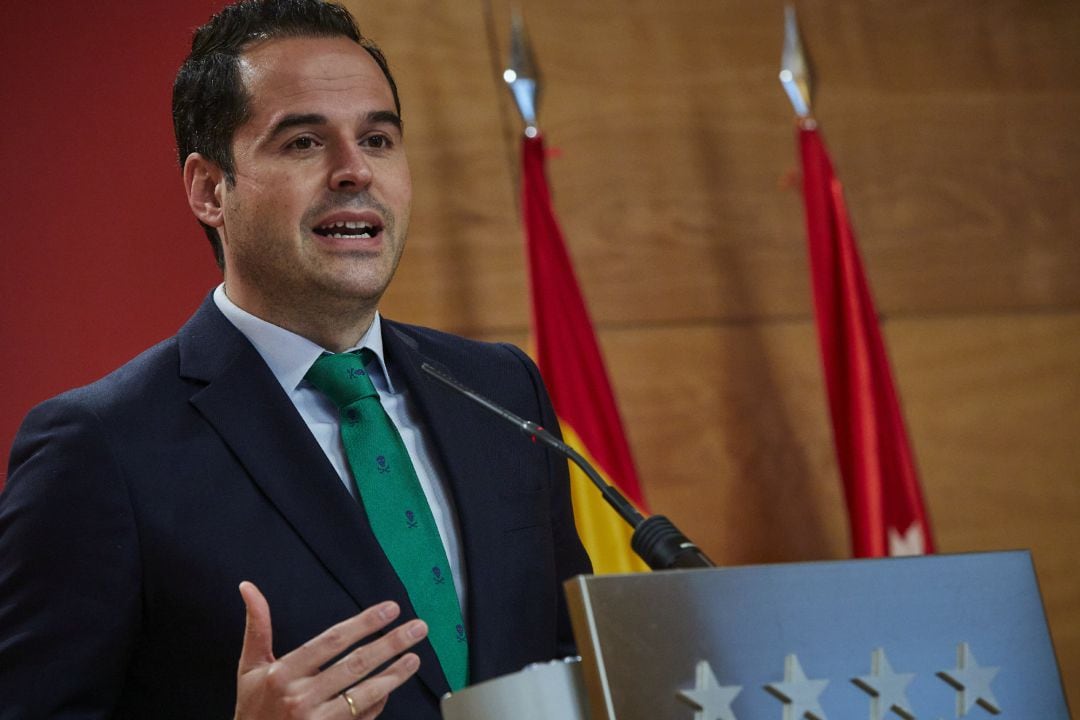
x: 931, y: 638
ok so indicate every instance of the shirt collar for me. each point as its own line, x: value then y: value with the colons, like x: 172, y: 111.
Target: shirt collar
x: 289, y: 355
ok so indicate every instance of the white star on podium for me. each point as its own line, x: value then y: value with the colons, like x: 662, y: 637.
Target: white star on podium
x: 886, y: 688
x: 799, y: 695
x: 709, y: 698
x: 972, y: 682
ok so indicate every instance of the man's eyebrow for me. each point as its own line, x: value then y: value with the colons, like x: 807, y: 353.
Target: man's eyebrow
x: 375, y: 117
x: 291, y: 121
x: 389, y: 117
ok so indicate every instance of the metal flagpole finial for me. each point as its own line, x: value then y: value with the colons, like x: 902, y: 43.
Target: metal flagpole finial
x: 794, y: 70
x: 522, y: 76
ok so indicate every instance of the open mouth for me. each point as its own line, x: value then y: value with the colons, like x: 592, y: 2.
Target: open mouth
x: 348, y: 230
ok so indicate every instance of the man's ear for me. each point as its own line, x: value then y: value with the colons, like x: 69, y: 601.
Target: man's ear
x: 204, y: 182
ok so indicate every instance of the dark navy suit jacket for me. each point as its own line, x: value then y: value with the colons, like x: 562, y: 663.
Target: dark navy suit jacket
x: 134, y: 507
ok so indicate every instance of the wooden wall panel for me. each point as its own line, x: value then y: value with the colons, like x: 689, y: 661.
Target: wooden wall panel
x: 993, y: 403
x: 953, y: 126
x: 732, y: 439
x: 731, y: 436
x: 954, y: 137
x: 463, y: 267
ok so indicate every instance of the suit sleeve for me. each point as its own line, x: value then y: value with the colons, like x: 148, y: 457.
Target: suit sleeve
x: 570, y: 556
x: 69, y: 570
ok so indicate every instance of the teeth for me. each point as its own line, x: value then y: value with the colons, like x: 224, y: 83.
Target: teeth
x: 364, y: 234
x: 365, y: 229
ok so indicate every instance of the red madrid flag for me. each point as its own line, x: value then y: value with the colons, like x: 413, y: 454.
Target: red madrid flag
x: 573, y: 369
x: 881, y: 485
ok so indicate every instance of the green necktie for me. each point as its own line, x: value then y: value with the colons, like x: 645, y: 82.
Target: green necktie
x: 396, y: 506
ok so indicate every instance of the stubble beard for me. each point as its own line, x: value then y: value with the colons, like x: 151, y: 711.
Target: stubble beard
x: 319, y: 294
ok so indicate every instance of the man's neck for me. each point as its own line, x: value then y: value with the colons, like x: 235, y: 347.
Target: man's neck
x: 335, y: 326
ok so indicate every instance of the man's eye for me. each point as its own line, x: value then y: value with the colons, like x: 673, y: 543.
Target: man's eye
x: 302, y: 143
x: 378, y: 142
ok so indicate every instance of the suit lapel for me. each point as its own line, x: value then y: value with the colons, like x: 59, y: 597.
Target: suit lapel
x: 248, y: 408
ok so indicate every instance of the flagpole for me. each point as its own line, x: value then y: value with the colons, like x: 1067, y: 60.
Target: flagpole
x: 570, y: 361
x: 522, y: 75
x: 877, y: 466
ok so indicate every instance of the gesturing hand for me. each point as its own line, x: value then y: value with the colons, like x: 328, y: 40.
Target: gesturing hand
x: 293, y: 686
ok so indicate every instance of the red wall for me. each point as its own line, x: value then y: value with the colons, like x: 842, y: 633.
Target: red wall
x: 100, y: 255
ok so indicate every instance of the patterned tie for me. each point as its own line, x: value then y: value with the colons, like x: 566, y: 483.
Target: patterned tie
x: 396, y: 506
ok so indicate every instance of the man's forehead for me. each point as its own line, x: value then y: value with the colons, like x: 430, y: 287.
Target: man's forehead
x: 292, y: 68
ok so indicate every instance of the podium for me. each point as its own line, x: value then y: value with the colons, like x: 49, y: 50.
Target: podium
x: 926, y: 637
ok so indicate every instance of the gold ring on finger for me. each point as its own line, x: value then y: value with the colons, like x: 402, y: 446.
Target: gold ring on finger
x: 352, y: 706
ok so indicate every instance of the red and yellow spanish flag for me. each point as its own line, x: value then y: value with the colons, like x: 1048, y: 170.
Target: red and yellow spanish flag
x: 569, y: 359
x: 881, y: 486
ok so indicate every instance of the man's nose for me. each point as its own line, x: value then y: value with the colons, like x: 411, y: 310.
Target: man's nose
x: 350, y: 170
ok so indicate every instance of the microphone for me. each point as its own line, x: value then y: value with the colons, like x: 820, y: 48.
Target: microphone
x: 656, y: 540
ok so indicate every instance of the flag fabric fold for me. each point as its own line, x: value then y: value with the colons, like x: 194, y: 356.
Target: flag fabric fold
x: 571, y: 364
x: 881, y: 485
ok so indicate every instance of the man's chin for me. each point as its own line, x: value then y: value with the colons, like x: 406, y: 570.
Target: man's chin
x: 345, y: 292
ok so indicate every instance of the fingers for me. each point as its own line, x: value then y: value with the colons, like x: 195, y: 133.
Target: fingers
x: 374, y: 711
x: 362, y: 662
x: 297, y: 685
x: 324, y: 647
x: 369, y: 697
x: 258, y: 635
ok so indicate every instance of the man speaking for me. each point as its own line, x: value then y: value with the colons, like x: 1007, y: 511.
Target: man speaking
x: 275, y: 514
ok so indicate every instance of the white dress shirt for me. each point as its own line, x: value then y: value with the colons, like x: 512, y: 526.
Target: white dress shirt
x: 290, y: 356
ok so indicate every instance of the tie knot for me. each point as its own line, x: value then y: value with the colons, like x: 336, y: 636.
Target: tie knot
x: 342, y: 377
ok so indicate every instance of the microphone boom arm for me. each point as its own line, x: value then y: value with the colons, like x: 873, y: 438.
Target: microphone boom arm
x: 656, y: 540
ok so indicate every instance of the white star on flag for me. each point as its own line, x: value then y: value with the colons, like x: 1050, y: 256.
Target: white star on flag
x: 909, y: 543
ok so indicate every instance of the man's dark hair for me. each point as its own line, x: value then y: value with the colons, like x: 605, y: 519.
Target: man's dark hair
x: 209, y: 98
